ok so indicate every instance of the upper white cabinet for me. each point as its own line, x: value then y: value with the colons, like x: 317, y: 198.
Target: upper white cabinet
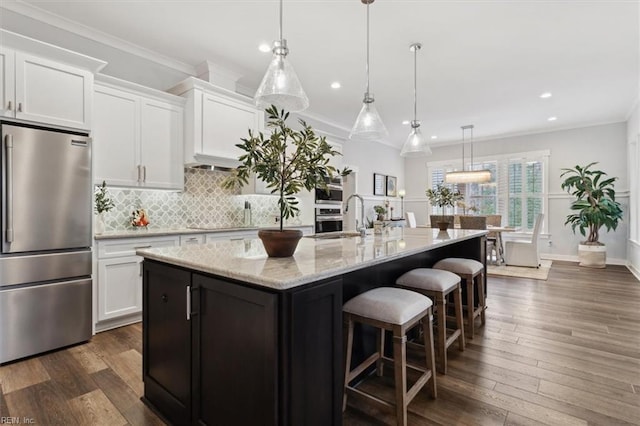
x: 137, y: 135
x: 215, y: 121
x: 45, y: 84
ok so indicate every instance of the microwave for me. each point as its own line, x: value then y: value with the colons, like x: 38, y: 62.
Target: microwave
x: 329, y: 196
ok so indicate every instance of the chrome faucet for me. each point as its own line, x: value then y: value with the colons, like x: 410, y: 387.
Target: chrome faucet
x: 362, y: 229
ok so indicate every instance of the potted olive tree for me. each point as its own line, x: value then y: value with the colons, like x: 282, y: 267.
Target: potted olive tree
x: 442, y: 197
x: 594, y: 206
x: 287, y: 161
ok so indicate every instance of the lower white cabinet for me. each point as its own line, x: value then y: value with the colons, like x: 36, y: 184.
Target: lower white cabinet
x: 119, y: 279
x: 232, y: 235
x: 120, y: 292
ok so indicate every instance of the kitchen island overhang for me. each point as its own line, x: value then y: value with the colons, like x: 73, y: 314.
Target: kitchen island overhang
x: 265, y: 334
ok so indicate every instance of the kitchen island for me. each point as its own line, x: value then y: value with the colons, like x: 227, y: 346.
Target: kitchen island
x: 231, y: 336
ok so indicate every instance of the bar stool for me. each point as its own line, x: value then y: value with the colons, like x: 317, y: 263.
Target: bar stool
x: 397, y: 310
x: 437, y: 285
x: 472, y: 272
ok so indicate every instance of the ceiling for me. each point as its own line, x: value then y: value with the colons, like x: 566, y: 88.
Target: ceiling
x: 482, y: 62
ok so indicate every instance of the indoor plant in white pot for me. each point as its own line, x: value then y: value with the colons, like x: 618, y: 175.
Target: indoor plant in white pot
x: 103, y: 203
x: 443, y: 196
x: 594, y: 206
x: 287, y: 161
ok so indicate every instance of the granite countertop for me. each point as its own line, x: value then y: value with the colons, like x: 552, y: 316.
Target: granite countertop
x: 160, y: 232
x: 314, y: 259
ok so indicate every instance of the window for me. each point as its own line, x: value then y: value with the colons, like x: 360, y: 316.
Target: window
x: 517, y: 189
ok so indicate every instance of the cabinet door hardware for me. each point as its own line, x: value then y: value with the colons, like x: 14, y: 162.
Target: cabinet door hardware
x: 9, y: 106
x: 144, y: 173
x: 142, y: 247
x: 19, y: 106
x: 164, y: 298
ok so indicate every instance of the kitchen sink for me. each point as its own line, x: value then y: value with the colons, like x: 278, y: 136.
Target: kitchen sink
x: 334, y: 235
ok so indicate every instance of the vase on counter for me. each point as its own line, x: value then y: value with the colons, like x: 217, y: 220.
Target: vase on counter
x: 100, y: 226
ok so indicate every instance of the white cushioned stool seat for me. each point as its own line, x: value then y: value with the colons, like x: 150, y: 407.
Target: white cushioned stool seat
x: 429, y: 279
x: 388, y: 304
x: 459, y: 265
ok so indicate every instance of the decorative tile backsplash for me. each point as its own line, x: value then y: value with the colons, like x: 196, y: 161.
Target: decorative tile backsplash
x: 204, y: 203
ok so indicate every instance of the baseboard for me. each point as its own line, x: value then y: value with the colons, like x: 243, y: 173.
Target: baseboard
x: 634, y: 271
x: 572, y: 258
x: 118, y: 322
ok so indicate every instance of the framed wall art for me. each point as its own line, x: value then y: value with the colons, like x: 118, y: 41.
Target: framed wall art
x: 379, y: 184
x: 392, y: 186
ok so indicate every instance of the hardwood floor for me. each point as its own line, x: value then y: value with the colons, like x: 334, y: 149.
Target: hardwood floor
x: 565, y: 351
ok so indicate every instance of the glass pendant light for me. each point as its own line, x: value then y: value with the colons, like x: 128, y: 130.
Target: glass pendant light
x: 368, y: 125
x: 280, y: 85
x: 468, y: 176
x: 416, y: 145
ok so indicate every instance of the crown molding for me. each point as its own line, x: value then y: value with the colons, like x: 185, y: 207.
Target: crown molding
x: 85, y: 31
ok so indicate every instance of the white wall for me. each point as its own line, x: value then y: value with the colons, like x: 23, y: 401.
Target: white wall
x: 633, y: 149
x: 606, y: 144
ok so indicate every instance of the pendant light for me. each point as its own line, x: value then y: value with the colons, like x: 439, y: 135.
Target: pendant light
x: 368, y: 125
x: 416, y: 145
x: 280, y: 85
x: 469, y: 176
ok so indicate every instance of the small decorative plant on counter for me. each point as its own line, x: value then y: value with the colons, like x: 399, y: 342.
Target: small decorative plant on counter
x: 442, y: 197
x: 594, y: 206
x: 103, y: 204
x: 380, y: 211
x: 288, y: 161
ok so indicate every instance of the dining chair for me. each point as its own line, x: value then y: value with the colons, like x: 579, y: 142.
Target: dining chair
x: 411, y: 219
x: 473, y: 222
x: 524, y: 252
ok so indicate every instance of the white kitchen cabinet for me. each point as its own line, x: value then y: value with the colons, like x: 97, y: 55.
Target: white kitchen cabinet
x: 232, y: 235
x: 42, y: 90
x: 192, y: 239
x: 138, y: 136
x: 215, y: 121
x: 119, y: 279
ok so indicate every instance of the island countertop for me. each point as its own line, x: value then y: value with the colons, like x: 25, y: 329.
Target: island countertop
x: 314, y: 259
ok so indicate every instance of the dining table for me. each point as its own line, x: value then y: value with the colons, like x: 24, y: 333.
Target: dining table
x: 497, y: 231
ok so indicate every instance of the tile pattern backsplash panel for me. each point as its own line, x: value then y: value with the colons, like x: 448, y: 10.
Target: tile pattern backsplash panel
x: 204, y: 202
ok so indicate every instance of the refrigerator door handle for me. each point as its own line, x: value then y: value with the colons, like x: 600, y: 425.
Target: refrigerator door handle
x: 8, y: 143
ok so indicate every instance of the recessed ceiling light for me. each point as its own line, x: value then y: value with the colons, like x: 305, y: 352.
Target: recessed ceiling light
x: 434, y: 136
x: 264, y: 47
x: 405, y: 122
x: 336, y: 85
x: 546, y: 95
x: 552, y: 118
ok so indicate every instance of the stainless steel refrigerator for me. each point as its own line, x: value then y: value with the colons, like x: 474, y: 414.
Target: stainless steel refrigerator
x: 45, y: 263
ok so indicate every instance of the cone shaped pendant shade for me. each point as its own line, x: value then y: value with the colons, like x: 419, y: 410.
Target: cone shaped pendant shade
x: 368, y: 125
x: 280, y: 85
x: 416, y: 145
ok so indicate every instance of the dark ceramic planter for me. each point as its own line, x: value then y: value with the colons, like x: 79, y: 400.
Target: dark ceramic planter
x: 279, y: 243
x: 443, y: 225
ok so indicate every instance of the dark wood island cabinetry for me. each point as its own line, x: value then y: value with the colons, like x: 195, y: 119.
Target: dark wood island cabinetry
x: 220, y: 350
